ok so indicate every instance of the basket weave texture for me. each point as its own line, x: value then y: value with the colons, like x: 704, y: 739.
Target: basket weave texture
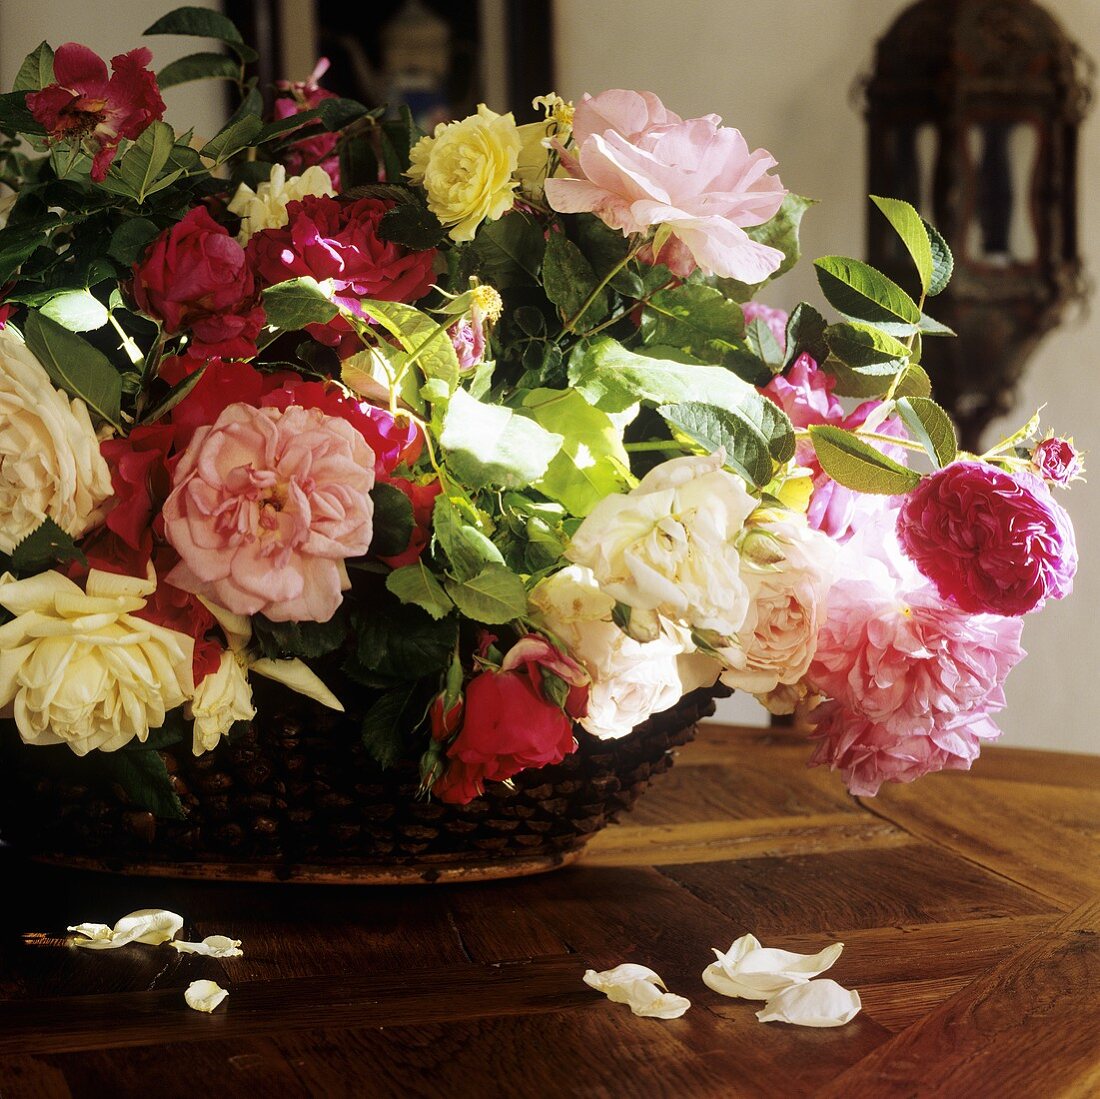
x: 297, y: 787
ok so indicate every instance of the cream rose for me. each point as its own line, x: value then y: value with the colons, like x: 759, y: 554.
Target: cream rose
x: 50, y: 465
x: 265, y: 208
x: 77, y: 668
x: 467, y: 169
x: 668, y: 548
x: 788, y: 568
x: 221, y: 699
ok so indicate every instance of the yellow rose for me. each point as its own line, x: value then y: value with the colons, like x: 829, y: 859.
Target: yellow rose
x: 77, y: 668
x: 265, y: 208
x: 50, y: 465
x: 467, y: 170
x: 222, y: 698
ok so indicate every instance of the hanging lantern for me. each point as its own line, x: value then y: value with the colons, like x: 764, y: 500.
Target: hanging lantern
x: 973, y: 112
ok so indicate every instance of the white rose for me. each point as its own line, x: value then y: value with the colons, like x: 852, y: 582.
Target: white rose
x: 265, y: 208
x: 50, y: 464
x: 77, y: 668
x: 630, y: 680
x: 668, y: 548
x: 788, y: 568
x: 222, y: 698
x: 7, y: 204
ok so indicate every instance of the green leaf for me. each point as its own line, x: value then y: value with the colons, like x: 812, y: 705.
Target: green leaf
x: 866, y: 349
x: 495, y: 596
x: 202, y: 23
x: 780, y: 232
x: 173, y: 397
x: 199, y: 66
x: 908, y: 225
x: 931, y: 427
x: 76, y: 310
x: 130, y: 239
x: 382, y: 731
x: 293, y: 304
x: 943, y: 263
x: 492, y: 445
x: 592, y: 463
x: 696, y: 317
x: 15, y: 117
x: 76, y: 366
x: 145, y: 781
x: 36, y: 71
x: 805, y: 335
x: 19, y: 242
x: 856, y: 464
x: 864, y: 384
x: 468, y: 550
x: 400, y: 641
x: 763, y: 344
x: 308, y: 640
x: 744, y: 432
x: 44, y: 547
x: 417, y: 584
x: 424, y: 340
x: 860, y: 292
x: 508, y: 252
x: 568, y: 279
x: 143, y: 162
x: 241, y: 131
x: 393, y: 520
x: 929, y: 326
x: 412, y: 225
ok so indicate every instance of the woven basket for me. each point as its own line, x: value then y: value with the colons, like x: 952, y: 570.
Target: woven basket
x: 296, y: 797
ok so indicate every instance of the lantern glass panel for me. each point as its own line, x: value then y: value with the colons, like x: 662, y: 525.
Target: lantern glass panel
x: 1003, y: 160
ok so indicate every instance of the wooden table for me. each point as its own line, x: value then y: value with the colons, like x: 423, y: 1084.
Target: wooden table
x: 968, y: 906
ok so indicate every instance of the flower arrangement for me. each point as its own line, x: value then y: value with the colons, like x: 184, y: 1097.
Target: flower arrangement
x: 477, y: 433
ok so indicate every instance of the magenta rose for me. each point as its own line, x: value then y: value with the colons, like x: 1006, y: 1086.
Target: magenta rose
x: 990, y: 541
x: 326, y: 238
x: 196, y: 278
x: 265, y: 507
x: 296, y: 97
x: 636, y: 165
x: 1057, y: 460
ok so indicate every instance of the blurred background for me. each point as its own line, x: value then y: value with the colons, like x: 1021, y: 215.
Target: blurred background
x: 789, y: 74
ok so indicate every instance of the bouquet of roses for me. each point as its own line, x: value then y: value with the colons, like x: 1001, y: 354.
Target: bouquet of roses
x: 477, y: 433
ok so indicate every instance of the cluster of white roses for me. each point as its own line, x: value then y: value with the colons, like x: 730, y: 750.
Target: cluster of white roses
x: 708, y: 583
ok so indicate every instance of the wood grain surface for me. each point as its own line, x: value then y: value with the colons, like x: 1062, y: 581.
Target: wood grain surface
x: 969, y: 906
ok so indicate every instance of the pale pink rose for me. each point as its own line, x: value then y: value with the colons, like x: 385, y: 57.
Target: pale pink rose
x: 265, y: 507
x: 637, y: 166
x: 869, y: 754
x: 805, y: 392
x: 907, y: 660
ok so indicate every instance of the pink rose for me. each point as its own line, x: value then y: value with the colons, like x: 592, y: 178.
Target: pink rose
x: 869, y: 754
x: 637, y: 165
x: 1057, y: 460
x: 265, y: 507
x: 990, y: 541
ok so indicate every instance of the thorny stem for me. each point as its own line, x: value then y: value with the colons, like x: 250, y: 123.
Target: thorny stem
x: 891, y: 392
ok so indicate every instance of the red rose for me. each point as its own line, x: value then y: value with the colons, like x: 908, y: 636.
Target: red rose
x: 139, y: 477
x: 196, y: 278
x: 5, y: 315
x: 422, y: 498
x: 83, y: 104
x: 1057, y: 460
x: 326, y: 238
x: 507, y: 727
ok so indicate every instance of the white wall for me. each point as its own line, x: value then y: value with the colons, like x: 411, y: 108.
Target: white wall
x: 783, y: 73
x: 109, y: 29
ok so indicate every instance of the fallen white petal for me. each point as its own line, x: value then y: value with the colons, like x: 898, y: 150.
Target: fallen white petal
x: 204, y: 995
x: 213, y: 946
x: 97, y: 931
x: 753, y: 972
x: 816, y: 1003
x: 640, y: 988
x: 147, y: 925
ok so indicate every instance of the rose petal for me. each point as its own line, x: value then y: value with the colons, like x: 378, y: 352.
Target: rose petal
x: 640, y: 988
x: 100, y: 931
x: 213, y: 946
x: 147, y: 925
x: 753, y: 972
x: 204, y: 995
x: 815, y: 1003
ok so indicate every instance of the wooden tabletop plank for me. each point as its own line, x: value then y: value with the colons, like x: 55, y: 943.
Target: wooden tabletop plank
x: 1024, y: 1028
